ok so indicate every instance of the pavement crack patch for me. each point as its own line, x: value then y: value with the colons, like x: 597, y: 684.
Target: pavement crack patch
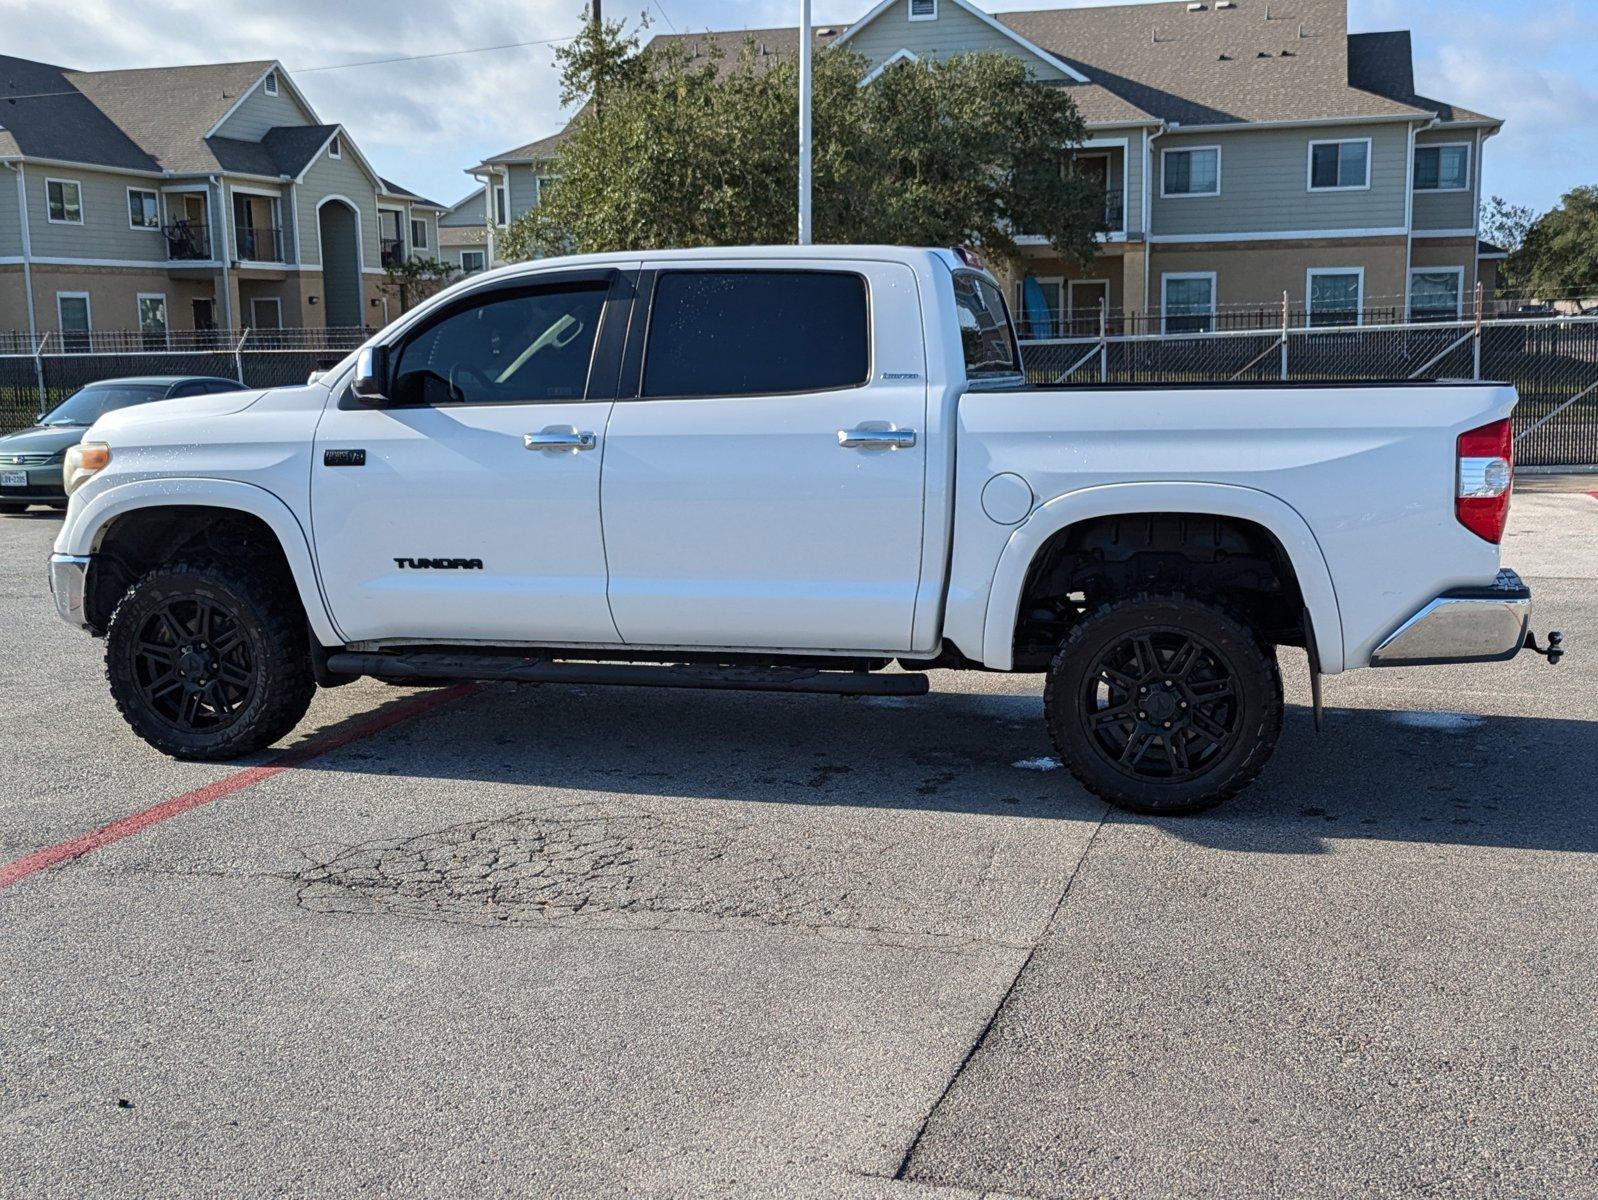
x: 1004, y: 1000
x: 587, y: 865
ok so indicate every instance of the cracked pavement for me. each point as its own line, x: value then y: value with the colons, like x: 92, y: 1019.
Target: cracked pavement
x: 591, y: 942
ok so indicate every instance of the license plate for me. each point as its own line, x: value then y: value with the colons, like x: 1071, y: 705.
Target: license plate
x: 16, y: 479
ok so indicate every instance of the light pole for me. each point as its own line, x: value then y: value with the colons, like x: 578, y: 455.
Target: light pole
x: 804, y: 123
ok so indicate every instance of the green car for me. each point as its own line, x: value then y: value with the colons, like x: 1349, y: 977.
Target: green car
x: 30, y: 459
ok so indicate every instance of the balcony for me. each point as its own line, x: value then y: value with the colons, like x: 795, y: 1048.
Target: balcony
x: 259, y: 243
x: 1114, y: 218
x: 187, y: 242
x: 393, y: 251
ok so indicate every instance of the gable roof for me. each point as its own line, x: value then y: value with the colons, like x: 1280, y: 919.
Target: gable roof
x: 468, y: 211
x: 160, y: 120
x: 1021, y: 41
x: 393, y: 189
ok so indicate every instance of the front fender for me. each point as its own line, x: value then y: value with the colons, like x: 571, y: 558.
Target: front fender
x: 1198, y: 499
x: 86, y: 525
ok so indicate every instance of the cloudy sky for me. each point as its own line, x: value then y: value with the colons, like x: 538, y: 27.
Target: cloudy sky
x: 422, y: 122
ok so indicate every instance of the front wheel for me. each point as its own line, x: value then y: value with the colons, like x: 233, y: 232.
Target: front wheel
x: 209, y: 661
x: 1163, y: 705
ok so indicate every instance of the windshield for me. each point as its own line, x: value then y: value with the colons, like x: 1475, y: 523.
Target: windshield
x: 92, y: 403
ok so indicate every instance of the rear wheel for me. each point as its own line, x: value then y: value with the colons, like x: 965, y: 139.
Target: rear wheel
x: 209, y: 662
x: 1163, y: 705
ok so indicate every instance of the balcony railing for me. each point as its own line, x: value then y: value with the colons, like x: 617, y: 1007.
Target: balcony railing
x: 258, y: 243
x: 1114, y: 219
x: 393, y: 251
x: 187, y: 242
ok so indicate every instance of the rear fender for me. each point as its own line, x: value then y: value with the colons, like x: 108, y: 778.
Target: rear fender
x: 1199, y: 499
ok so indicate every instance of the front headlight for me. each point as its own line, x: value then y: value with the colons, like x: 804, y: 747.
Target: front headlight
x: 83, y: 462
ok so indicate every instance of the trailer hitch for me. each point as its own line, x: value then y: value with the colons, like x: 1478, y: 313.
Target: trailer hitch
x: 1555, y: 649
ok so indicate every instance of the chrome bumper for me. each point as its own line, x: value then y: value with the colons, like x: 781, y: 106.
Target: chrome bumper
x: 69, y: 577
x: 1485, y: 624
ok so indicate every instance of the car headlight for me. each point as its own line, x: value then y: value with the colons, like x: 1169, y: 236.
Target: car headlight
x: 83, y: 462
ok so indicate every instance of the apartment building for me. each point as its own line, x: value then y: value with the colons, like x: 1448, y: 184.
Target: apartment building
x: 189, y: 198
x: 1248, y: 149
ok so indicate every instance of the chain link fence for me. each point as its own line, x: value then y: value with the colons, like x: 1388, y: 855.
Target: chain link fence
x: 1553, y: 363
x: 37, y: 376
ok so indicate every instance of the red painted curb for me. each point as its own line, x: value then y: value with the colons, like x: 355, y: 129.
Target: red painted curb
x: 39, y: 860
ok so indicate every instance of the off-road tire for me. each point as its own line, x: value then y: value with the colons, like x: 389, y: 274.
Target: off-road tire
x: 271, y: 631
x: 1249, y: 710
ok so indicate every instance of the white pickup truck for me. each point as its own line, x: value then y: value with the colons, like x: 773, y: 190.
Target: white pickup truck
x: 784, y: 469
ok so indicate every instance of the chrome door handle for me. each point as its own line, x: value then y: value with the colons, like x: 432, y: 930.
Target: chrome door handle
x: 557, y: 440
x: 877, y: 439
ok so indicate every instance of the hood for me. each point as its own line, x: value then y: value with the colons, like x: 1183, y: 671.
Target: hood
x: 41, y: 439
x: 188, y: 411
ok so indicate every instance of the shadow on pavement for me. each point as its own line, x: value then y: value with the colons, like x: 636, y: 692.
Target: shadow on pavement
x: 1449, y: 779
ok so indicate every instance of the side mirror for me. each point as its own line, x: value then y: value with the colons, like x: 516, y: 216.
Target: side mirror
x: 371, y: 375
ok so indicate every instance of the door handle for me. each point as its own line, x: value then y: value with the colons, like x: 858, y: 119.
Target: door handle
x: 876, y: 439
x: 558, y: 440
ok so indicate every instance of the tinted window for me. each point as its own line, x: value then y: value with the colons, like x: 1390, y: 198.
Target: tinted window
x: 204, y: 387
x: 522, y: 348
x: 92, y: 403
x: 754, y: 333
x: 985, y: 335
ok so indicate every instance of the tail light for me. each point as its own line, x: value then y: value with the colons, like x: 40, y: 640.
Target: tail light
x: 1486, y: 471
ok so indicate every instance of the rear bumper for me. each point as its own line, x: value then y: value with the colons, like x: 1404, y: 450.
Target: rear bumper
x: 69, y: 577
x: 1485, y: 624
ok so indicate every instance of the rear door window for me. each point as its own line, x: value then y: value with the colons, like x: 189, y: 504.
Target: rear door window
x: 757, y: 333
x: 985, y: 334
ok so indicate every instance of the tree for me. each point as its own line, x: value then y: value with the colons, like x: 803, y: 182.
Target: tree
x: 413, y: 280
x: 1558, y: 258
x: 1505, y: 225
x: 702, y: 151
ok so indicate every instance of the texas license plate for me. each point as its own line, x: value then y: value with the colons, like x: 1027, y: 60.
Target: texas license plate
x: 16, y: 479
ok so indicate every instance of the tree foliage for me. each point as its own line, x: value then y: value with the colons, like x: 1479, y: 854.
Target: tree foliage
x: 671, y: 150
x: 413, y: 279
x: 1558, y: 257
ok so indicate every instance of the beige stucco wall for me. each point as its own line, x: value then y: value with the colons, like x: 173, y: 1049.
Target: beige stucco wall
x: 113, y: 296
x: 1257, y: 273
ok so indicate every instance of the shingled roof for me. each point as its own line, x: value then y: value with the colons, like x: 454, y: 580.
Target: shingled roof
x: 156, y: 119
x: 1249, y: 61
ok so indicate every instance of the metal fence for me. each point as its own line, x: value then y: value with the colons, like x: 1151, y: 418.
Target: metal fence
x: 36, y: 375
x: 1552, y: 362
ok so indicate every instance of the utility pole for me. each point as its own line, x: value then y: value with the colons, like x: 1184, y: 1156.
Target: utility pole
x: 805, y: 50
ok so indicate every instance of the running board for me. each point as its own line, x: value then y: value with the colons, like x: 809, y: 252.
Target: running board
x: 681, y: 675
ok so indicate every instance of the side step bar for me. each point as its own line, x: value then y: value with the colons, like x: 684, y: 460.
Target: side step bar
x: 679, y: 675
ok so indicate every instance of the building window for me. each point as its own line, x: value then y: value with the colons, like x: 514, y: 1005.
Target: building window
x: 1187, y: 302
x: 152, y: 320
x: 1195, y: 171
x: 1039, y: 307
x: 144, y: 209
x: 501, y: 209
x: 335, y: 148
x: 271, y: 83
x: 64, y: 198
x: 72, y: 314
x: 266, y: 312
x: 418, y: 234
x: 1340, y: 166
x: 473, y: 261
x: 546, y: 188
x: 1436, y: 293
x: 1442, y: 168
x: 1335, y: 295
x: 923, y: 10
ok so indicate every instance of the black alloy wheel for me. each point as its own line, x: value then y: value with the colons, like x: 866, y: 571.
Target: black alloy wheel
x: 1163, y: 704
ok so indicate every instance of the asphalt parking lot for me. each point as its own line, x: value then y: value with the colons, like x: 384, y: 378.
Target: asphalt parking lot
x: 552, y: 942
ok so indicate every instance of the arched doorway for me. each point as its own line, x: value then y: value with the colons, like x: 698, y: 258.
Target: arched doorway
x: 339, y: 227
